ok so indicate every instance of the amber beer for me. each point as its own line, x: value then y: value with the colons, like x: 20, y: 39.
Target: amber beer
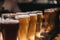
x: 10, y: 29
x: 23, y: 25
x: 49, y: 15
x: 32, y: 26
x: 39, y: 24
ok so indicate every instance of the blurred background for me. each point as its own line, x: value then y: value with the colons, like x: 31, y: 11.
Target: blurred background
x: 29, y: 5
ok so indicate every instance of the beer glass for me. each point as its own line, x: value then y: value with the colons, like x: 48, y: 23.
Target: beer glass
x: 49, y: 16
x: 23, y: 18
x: 39, y: 24
x: 9, y: 27
x: 32, y: 26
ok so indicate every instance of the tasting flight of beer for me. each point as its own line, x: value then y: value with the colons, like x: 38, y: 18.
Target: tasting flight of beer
x: 30, y: 25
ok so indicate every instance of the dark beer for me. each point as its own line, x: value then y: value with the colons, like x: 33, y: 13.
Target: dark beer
x: 49, y: 15
x: 10, y: 29
x: 23, y: 25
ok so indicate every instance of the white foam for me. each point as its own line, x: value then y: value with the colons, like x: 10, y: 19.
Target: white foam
x: 49, y: 10
x: 40, y: 13
x: 9, y: 21
x: 9, y: 14
x: 33, y: 14
x: 5, y: 14
x: 21, y: 16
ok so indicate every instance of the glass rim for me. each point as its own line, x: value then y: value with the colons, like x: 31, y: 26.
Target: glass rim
x: 49, y: 10
x: 22, y: 16
x: 8, y: 14
x: 38, y: 11
x: 5, y: 21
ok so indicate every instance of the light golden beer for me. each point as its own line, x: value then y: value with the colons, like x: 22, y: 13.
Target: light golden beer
x: 49, y: 15
x: 23, y: 25
x: 32, y: 26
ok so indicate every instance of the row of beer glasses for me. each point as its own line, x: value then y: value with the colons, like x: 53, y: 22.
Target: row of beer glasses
x: 27, y: 25
x: 20, y: 25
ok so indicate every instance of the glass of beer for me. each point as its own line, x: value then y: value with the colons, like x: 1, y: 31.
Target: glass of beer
x: 32, y: 26
x: 49, y: 16
x: 23, y: 18
x: 9, y: 27
x: 39, y: 24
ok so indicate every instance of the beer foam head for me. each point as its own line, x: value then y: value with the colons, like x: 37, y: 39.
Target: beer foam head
x: 9, y: 14
x: 37, y: 11
x: 21, y: 16
x: 7, y: 21
x: 40, y: 13
x: 49, y: 10
x: 33, y: 14
x: 13, y: 14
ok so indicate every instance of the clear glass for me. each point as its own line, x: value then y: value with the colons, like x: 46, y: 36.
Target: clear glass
x: 49, y: 15
x: 39, y: 25
x: 24, y: 19
x: 32, y: 26
x: 9, y: 27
